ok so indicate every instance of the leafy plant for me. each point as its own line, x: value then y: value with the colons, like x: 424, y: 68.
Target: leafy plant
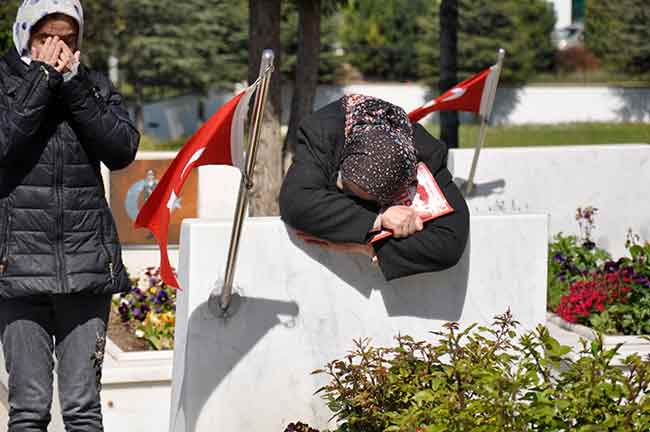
x: 615, y: 297
x: 152, y: 305
x: 573, y: 258
x: 487, y: 379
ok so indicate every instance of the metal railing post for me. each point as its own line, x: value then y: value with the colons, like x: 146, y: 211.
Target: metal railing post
x: 223, y: 299
x: 484, y: 124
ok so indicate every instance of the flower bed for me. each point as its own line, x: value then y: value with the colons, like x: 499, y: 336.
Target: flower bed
x: 586, y: 287
x: 143, y: 318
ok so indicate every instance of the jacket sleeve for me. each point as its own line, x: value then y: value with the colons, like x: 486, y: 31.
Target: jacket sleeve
x: 309, y: 203
x: 21, y: 117
x: 101, y: 122
x: 441, y: 243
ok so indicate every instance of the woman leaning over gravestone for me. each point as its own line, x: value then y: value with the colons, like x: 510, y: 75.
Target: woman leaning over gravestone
x: 353, y: 158
x: 60, y: 258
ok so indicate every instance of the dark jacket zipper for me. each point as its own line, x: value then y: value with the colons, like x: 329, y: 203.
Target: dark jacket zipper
x: 4, y: 258
x: 58, y: 186
x: 102, y: 240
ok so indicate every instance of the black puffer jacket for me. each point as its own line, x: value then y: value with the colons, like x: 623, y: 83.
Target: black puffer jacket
x: 57, y: 234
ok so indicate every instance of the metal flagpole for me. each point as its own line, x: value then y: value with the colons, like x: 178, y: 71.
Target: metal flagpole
x: 223, y: 300
x: 485, y: 118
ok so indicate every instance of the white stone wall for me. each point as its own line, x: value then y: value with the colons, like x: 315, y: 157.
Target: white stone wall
x: 557, y: 180
x: 531, y: 104
x: 302, y: 307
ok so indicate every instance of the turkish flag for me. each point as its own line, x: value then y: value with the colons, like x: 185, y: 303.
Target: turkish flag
x: 471, y: 95
x: 218, y: 142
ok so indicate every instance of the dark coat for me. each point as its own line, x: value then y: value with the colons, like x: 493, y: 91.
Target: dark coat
x: 57, y: 234
x: 311, y: 202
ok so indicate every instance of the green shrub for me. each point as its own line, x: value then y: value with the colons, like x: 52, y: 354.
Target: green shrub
x: 487, y: 379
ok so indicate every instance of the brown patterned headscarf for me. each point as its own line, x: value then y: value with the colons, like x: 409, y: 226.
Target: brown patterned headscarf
x: 378, y: 155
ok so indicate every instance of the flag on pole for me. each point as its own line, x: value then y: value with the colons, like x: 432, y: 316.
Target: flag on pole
x: 472, y: 95
x: 218, y: 142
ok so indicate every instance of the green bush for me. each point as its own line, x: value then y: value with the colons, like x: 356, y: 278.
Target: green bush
x: 618, y: 32
x: 487, y: 379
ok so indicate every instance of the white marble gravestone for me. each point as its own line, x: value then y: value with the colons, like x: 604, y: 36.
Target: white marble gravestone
x: 302, y: 307
x: 557, y: 180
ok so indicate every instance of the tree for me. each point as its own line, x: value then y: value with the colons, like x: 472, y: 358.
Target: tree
x: 8, y: 11
x: 103, y: 25
x: 167, y: 48
x: 188, y: 51
x: 304, y: 90
x: 264, y: 24
x: 308, y: 67
x: 381, y: 41
x: 448, y: 67
x: 618, y: 34
x: 522, y: 28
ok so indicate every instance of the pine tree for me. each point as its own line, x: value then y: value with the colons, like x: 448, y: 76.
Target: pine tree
x: 381, y: 40
x: 618, y: 34
x: 8, y: 11
x: 523, y: 29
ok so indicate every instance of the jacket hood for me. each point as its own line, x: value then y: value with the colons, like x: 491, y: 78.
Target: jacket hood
x: 32, y: 11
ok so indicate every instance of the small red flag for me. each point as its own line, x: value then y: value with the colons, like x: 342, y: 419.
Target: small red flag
x: 471, y: 95
x: 218, y: 142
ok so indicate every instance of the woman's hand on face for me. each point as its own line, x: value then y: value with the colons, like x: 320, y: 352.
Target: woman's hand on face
x: 66, y: 58
x: 402, y: 221
x: 55, y: 53
x: 49, y: 52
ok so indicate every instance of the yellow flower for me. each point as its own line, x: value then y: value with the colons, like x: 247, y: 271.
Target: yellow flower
x: 168, y: 318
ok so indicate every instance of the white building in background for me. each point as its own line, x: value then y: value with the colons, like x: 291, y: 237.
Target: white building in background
x: 562, y: 12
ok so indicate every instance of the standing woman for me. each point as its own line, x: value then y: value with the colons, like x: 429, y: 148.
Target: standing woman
x: 60, y: 258
x: 353, y: 158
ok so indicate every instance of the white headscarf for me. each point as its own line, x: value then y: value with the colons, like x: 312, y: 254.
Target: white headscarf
x: 32, y: 11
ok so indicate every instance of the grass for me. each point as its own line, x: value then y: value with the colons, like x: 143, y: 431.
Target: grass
x: 148, y: 143
x: 590, y: 78
x: 509, y: 136
x: 558, y: 134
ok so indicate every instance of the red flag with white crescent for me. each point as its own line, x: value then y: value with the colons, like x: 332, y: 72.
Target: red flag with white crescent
x: 471, y: 95
x: 218, y: 142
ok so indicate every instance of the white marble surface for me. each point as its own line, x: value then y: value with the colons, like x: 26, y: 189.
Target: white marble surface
x: 570, y: 334
x: 557, y: 180
x: 302, y: 307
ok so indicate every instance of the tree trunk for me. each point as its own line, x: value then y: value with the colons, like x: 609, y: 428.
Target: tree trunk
x: 448, y: 68
x: 304, y: 88
x: 264, y: 25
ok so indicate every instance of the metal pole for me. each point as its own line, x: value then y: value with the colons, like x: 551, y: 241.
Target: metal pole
x: 246, y: 184
x: 484, y: 123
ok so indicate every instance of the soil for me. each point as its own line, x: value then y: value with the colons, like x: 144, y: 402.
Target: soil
x: 122, y: 335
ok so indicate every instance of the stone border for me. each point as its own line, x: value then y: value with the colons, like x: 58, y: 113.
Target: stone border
x: 630, y: 344
x: 123, y: 367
